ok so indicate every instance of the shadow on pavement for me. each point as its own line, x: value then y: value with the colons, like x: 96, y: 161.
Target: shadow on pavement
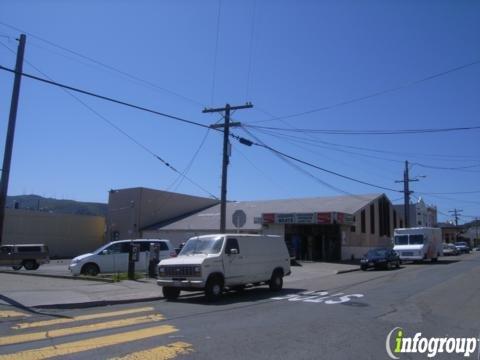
x: 28, y: 309
x: 434, y: 263
x: 235, y: 297
x: 385, y: 270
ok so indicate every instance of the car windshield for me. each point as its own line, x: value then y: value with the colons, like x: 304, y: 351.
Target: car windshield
x: 377, y: 253
x: 401, y: 240
x: 202, y: 246
x: 416, y: 240
x: 460, y: 244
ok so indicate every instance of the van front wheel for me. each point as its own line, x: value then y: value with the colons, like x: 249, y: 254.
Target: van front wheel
x: 90, y: 269
x: 276, y: 281
x: 214, y: 288
x: 170, y: 293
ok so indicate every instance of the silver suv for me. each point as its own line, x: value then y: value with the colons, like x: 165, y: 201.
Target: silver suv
x: 30, y: 256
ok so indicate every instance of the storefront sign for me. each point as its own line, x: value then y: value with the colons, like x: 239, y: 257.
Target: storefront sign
x: 307, y: 218
x: 324, y: 218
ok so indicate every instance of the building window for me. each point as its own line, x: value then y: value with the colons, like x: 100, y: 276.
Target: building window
x: 362, y: 222
x: 353, y: 228
x: 394, y: 219
x: 372, y: 218
x: 384, y: 216
x: 401, y: 223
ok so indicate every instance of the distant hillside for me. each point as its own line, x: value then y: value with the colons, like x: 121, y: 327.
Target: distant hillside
x: 39, y: 203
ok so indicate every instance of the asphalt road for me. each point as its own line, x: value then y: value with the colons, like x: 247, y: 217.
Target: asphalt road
x: 345, y: 316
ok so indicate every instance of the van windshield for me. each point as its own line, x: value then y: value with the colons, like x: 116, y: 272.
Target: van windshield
x: 202, y: 246
x: 401, y: 240
x: 416, y: 239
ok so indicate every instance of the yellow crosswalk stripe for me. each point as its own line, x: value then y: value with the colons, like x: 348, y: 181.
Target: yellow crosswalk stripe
x: 11, y: 313
x: 16, y: 339
x: 81, y: 318
x: 167, y: 352
x: 89, y: 344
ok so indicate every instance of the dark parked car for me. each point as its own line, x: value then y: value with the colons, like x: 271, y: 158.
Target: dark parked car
x: 380, y: 258
x: 463, y: 247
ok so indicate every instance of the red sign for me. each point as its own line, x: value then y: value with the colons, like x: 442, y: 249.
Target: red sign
x: 324, y: 218
x: 268, y: 218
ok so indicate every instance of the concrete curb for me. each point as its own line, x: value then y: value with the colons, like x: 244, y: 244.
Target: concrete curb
x: 347, y: 271
x: 97, y: 303
x: 90, y: 278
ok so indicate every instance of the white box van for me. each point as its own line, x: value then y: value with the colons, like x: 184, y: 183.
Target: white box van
x: 420, y: 243
x: 113, y: 257
x: 215, y: 262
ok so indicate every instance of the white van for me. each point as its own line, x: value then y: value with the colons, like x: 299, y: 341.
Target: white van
x: 113, y: 257
x: 420, y: 243
x: 215, y: 262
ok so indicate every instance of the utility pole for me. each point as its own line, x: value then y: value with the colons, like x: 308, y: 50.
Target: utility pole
x: 456, y: 214
x: 7, y: 156
x: 406, y: 194
x: 226, y: 153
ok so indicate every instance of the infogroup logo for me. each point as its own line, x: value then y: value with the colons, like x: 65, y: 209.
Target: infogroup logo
x: 397, y: 343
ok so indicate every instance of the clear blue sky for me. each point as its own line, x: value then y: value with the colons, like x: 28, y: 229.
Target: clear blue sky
x: 285, y: 57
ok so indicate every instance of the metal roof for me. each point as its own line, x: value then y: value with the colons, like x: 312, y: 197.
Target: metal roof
x: 209, y: 219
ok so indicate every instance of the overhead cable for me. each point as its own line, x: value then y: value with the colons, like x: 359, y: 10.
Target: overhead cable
x: 365, y: 132
x: 103, y: 65
x: 263, y: 145
x: 106, y: 98
x: 375, y: 94
x: 120, y: 130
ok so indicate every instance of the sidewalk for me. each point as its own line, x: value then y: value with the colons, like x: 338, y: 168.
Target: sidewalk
x: 52, y: 287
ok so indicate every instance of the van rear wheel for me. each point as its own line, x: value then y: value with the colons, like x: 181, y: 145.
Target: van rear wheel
x: 17, y: 267
x: 30, y: 265
x: 276, y: 281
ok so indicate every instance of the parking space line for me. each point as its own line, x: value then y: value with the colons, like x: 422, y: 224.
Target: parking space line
x: 17, y: 339
x: 12, y: 313
x: 166, y: 352
x: 89, y: 344
x: 81, y: 318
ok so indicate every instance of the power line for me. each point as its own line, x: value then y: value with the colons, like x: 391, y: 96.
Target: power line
x: 366, y: 132
x: 106, y: 98
x: 464, y: 168
x: 176, y: 184
x: 450, y: 199
x: 250, y: 52
x: 313, y: 165
x: 300, y: 169
x: 215, y: 55
x: 103, y: 65
x: 315, y: 143
x: 311, y: 143
x: 375, y: 94
x: 403, y: 155
x: 120, y: 130
x: 451, y: 193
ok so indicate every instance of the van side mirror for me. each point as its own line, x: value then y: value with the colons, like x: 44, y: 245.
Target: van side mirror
x: 233, y: 252
x: 105, y: 252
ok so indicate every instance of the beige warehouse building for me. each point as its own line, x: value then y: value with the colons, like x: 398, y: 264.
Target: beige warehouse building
x: 66, y: 235
x: 317, y: 229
